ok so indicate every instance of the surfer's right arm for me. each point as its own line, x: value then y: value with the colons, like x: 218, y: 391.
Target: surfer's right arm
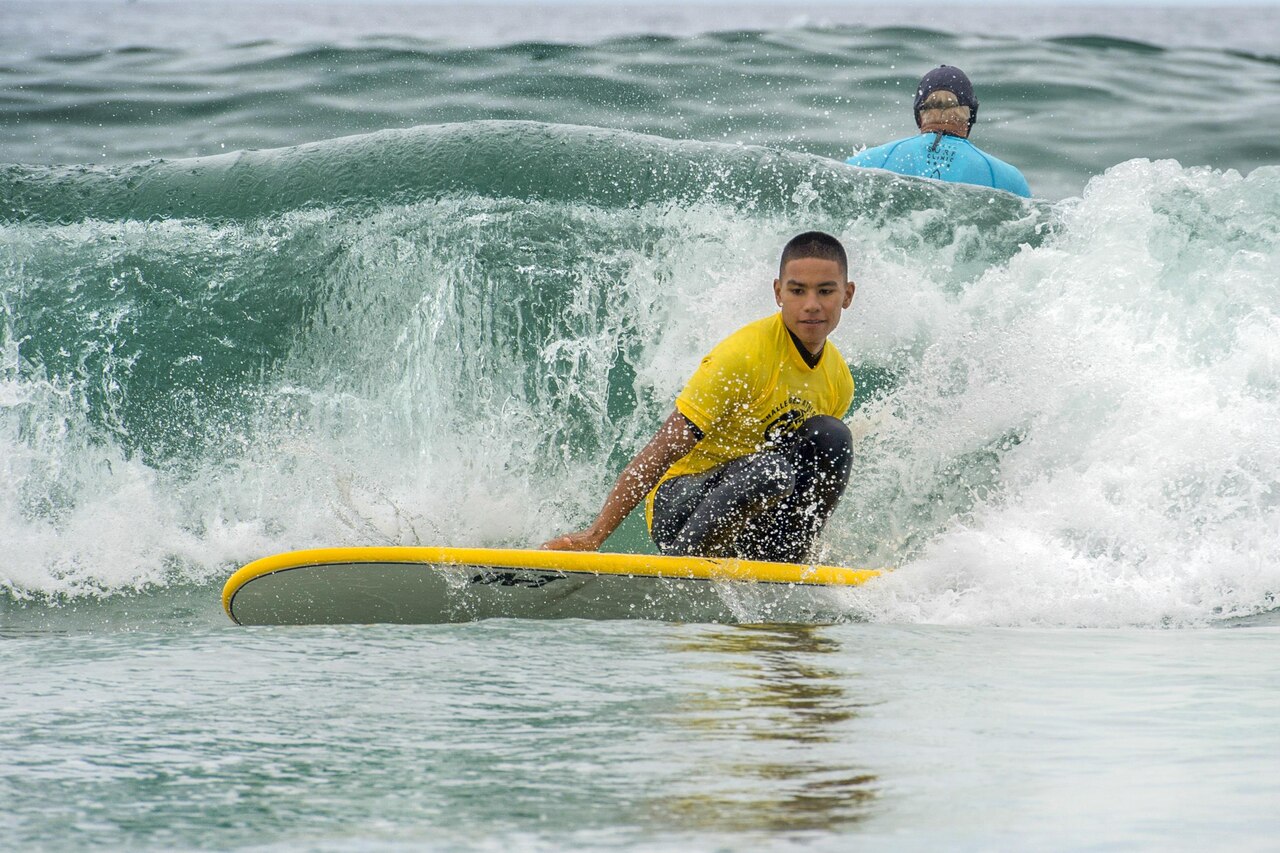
x: 675, y: 438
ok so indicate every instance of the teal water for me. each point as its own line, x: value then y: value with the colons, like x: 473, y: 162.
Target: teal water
x: 275, y: 277
x: 1067, y: 92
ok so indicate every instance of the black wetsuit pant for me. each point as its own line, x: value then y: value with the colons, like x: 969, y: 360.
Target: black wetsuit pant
x: 766, y: 506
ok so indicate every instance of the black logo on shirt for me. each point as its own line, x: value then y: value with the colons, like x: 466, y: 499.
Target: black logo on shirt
x: 784, y: 420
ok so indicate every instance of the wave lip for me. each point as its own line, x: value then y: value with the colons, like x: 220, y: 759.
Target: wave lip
x: 509, y: 159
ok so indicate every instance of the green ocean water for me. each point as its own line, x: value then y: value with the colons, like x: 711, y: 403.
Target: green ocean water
x: 275, y: 277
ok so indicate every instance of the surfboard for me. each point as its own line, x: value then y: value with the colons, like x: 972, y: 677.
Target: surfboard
x: 427, y: 585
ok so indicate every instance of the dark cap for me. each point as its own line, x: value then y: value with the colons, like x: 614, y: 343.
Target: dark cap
x: 954, y: 81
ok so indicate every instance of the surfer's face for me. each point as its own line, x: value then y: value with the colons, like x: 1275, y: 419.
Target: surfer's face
x: 811, y: 293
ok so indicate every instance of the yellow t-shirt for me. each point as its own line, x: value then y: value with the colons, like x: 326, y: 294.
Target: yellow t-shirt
x: 753, y: 387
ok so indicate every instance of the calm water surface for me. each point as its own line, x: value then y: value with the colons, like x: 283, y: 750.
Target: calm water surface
x: 642, y: 736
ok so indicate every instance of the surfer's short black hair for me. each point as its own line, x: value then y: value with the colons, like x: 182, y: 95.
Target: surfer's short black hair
x: 814, y: 244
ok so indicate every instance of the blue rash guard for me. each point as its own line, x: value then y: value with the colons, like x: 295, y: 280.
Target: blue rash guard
x: 944, y: 158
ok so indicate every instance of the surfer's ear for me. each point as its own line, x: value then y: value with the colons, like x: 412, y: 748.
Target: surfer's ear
x: 777, y: 291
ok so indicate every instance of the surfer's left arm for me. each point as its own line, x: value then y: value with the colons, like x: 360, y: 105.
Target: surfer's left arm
x: 675, y: 438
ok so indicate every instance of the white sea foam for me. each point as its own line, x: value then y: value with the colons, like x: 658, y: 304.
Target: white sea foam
x: 1135, y: 357
x: 1084, y: 435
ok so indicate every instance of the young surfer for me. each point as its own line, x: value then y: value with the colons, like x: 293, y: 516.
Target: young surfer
x: 754, y: 458
x: 945, y: 110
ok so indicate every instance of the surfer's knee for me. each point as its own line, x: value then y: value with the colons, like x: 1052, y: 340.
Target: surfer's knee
x: 827, y: 432
x: 826, y: 441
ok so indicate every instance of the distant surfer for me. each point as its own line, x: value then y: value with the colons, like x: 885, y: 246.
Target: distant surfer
x: 754, y: 457
x: 945, y: 110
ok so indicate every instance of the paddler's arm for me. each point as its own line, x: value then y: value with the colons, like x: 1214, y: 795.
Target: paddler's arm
x: 674, y: 439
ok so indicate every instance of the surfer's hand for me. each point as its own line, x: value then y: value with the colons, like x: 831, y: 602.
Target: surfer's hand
x: 583, y: 540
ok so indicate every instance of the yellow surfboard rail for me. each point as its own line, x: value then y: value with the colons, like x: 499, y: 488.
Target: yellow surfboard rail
x: 588, y: 562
